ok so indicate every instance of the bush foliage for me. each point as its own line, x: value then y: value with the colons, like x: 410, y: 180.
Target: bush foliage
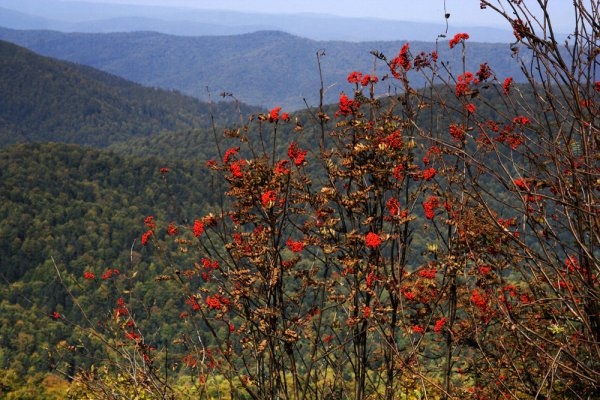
x: 430, y: 244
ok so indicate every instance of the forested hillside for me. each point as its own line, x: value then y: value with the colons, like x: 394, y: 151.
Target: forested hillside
x: 45, y: 99
x: 71, y: 210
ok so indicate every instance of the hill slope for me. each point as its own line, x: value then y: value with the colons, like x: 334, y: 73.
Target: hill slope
x: 49, y: 100
x: 83, y: 209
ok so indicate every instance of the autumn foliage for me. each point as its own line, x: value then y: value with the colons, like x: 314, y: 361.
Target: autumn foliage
x: 401, y: 255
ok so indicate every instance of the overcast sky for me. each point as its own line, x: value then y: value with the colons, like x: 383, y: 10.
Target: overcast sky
x: 462, y: 12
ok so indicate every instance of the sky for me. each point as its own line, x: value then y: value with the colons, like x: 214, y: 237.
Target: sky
x: 463, y: 12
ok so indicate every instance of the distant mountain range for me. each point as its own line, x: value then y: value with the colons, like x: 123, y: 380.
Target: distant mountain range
x: 97, y: 17
x: 264, y: 59
x: 267, y: 68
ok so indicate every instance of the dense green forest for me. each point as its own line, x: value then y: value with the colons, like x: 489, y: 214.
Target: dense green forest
x: 79, y: 210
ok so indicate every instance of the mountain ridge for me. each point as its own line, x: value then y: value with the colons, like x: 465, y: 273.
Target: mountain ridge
x: 41, y: 93
x: 266, y: 68
x: 74, y: 16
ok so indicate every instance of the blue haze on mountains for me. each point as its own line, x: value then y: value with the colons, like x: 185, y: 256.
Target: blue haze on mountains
x: 73, y: 16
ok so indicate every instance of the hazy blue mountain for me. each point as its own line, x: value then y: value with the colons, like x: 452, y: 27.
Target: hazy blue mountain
x: 73, y: 16
x: 18, y: 20
x: 265, y: 68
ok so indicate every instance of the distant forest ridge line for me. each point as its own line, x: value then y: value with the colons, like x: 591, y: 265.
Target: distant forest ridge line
x: 266, y: 68
x: 99, y: 17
